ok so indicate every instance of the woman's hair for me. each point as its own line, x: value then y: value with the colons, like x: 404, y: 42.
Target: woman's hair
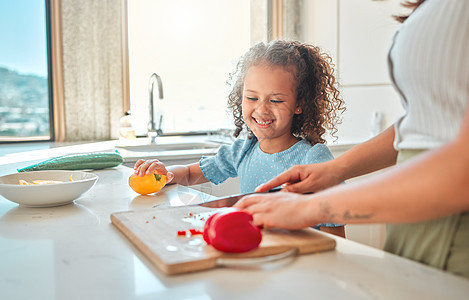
x: 316, y: 87
x: 408, y: 4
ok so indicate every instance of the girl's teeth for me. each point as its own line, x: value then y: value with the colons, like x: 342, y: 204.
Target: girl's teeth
x: 264, y: 123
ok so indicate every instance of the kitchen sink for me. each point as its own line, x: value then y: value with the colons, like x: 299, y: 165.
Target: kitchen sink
x: 170, y: 147
x: 169, y: 150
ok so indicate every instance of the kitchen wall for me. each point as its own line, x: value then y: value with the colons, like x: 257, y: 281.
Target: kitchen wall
x: 357, y: 34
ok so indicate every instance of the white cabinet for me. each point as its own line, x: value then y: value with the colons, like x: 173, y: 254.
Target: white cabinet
x: 357, y: 34
x: 369, y: 234
x: 364, y: 33
x: 362, y: 102
x: 319, y: 20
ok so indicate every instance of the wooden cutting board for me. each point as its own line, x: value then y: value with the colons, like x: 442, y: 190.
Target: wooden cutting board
x: 154, y: 233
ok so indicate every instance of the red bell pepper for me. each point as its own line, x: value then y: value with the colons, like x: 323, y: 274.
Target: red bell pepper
x: 232, y: 232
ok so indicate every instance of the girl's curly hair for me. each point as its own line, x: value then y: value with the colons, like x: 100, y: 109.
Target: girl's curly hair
x: 316, y: 87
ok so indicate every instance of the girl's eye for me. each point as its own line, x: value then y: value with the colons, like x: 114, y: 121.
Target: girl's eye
x: 251, y: 98
x: 276, y: 101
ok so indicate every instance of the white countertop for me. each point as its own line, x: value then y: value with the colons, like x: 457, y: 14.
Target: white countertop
x: 22, y: 152
x: 74, y: 252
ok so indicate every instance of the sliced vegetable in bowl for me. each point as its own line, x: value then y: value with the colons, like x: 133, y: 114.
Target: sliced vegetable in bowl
x: 57, y: 188
x: 43, y: 181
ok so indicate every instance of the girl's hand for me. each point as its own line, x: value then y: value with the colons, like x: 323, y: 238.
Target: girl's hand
x: 145, y: 167
x: 305, y: 178
x: 279, y: 210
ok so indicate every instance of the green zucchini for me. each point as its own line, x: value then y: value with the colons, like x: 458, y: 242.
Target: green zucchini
x: 93, y: 160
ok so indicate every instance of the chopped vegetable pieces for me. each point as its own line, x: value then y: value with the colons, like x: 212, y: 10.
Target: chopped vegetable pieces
x: 195, y: 231
x: 192, y: 231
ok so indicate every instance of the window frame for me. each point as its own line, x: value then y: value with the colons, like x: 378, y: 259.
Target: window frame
x: 50, y: 73
x: 56, y: 73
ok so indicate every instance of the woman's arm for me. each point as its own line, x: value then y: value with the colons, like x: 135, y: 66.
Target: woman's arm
x: 433, y: 185
x: 367, y: 157
x: 372, y: 155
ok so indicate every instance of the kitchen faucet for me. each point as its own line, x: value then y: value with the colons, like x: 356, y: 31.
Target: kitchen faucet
x: 153, y: 131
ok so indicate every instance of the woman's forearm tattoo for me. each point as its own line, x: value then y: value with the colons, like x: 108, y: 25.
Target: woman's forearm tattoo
x: 348, y: 216
x: 326, y: 213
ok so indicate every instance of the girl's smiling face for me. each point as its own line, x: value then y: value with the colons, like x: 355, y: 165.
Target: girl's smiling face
x: 268, y: 106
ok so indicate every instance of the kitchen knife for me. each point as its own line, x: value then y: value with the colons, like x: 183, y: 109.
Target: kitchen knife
x: 231, y: 200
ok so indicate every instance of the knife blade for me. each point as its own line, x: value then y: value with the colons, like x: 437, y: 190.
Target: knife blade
x: 231, y: 200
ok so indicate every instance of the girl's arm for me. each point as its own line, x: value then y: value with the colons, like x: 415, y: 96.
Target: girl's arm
x: 367, y: 157
x: 432, y: 185
x: 188, y: 174
x: 182, y: 174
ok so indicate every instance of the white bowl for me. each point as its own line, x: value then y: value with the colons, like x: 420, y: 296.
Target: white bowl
x: 46, y: 195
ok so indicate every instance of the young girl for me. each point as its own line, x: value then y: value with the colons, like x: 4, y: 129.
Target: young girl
x: 285, y: 97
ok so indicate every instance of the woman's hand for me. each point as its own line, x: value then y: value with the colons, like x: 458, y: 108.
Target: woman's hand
x: 279, y: 210
x: 305, y: 178
x: 143, y: 167
x: 372, y: 155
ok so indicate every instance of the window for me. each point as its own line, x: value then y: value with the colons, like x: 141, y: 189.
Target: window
x: 193, y: 46
x: 25, y: 97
